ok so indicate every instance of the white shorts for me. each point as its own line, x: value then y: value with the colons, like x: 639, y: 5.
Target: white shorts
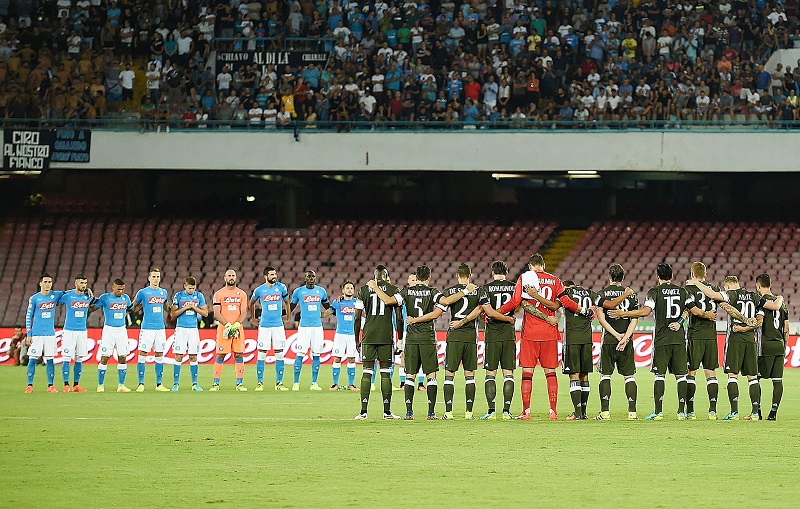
x: 272, y: 337
x: 152, y: 340
x: 344, y: 346
x: 114, y: 338
x: 187, y: 340
x: 74, y: 345
x: 309, y: 336
x: 42, y: 345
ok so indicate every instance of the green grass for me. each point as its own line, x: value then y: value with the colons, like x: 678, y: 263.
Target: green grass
x: 303, y: 450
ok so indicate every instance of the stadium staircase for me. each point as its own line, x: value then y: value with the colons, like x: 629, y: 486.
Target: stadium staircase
x: 559, y: 246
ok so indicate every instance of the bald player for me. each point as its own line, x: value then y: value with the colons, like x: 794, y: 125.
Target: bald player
x: 230, y: 309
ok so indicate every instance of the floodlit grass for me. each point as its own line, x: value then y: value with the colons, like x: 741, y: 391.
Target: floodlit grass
x: 289, y: 449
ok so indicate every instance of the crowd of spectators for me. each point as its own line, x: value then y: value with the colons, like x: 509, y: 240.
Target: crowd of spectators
x: 471, y: 64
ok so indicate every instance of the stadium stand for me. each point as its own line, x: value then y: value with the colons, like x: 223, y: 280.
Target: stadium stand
x: 741, y: 249
x: 512, y: 61
x: 104, y: 249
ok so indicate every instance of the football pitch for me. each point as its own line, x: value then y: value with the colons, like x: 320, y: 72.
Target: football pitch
x: 303, y: 449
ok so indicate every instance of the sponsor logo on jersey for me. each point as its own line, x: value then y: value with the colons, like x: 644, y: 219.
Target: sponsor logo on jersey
x: 348, y: 310
x: 229, y: 300
x: 44, y: 306
x: 311, y: 298
x: 156, y: 300
x: 117, y: 306
x: 80, y: 304
x: 271, y: 297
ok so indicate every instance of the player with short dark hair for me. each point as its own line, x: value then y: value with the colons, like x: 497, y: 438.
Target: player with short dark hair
x: 499, y: 340
x: 462, y: 339
x: 187, y: 305
x: 40, y: 319
x: 74, y: 341
x: 153, y: 301
x: 741, y: 355
x: 273, y: 298
x: 344, y: 339
x: 114, y: 305
x: 422, y: 305
x: 616, y: 350
x: 666, y: 301
x: 312, y: 299
x: 771, y: 339
x: 377, y: 302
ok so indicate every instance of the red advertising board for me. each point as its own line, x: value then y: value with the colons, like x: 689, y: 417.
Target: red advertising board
x: 643, y: 347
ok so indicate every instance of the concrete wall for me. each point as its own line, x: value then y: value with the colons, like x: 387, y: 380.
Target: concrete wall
x: 555, y: 151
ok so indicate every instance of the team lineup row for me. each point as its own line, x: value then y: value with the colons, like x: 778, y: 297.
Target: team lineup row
x: 684, y: 336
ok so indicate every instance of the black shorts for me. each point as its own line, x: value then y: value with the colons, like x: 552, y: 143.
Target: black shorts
x: 421, y: 355
x: 461, y: 353
x: 670, y: 358
x: 624, y: 361
x: 741, y: 358
x: 500, y: 353
x: 577, y: 359
x: 703, y: 352
x: 381, y: 353
x: 771, y: 366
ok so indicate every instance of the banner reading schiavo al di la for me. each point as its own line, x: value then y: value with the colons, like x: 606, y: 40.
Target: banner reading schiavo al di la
x: 643, y: 347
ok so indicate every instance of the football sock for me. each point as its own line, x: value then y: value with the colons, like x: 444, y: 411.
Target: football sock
x: 298, y: 366
x: 490, y: 389
x: 193, y: 370
x: 712, y: 387
x: 402, y: 371
x: 218, y: 369
x: 31, y: 369
x: 552, y: 390
x: 432, y: 389
x: 140, y: 368
x: 65, y: 371
x: 176, y: 373
x: 681, y: 394
x: 260, y: 361
x: 605, y: 392
x: 336, y: 370
x: 449, y: 392
x: 658, y: 393
x: 527, y: 389
x: 777, y: 393
x: 691, y: 389
x: 351, y: 374
x: 279, y: 367
x: 159, y: 369
x: 101, y: 374
x: 386, y: 389
x: 575, y: 394
x: 733, y: 394
x: 77, y: 371
x: 755, y: 395
x: 239, y: 370
x: 420, y: 379
x: 508, y: 393
x: 409, y: 390
x: 374, y: 373
x: 366, y: 383
x: 469, y: 390
x: 586, y: 389
x: 315, y: 362
x: 631, y: 391
x: 122, y: 370
x: 50, y: 369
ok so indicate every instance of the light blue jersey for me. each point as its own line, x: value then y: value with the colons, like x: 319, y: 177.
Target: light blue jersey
x: 345, y: 311
x: 40, y: 318
x: 271, y: 299
x: 114, y: 308
x: 311, y: 301
x: 188, y: 319
x: 77, y: 308
x: 153, y: 302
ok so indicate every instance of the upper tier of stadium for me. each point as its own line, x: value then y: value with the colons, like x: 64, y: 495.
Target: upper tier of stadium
x: 105, y: 249
x: 509, y: 62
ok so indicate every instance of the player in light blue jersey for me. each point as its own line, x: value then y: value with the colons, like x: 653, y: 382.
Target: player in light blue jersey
x: 344, y: 340
x: 40, y: 325
x: 273, y: 299
x: 311, y: 299
x: 154, y: 301
x: 74, y: 342
x: 187, y: 305
x: 115, y: 306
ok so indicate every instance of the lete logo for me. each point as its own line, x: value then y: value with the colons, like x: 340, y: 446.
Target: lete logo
x: 44, y: 306
x: 271, y: 297
x: 80, y: 304
x: 117, y: 306
x: 156, y: 300
x: 311, y: 298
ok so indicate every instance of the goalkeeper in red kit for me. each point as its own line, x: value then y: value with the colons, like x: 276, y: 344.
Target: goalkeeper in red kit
x: 539, y: 339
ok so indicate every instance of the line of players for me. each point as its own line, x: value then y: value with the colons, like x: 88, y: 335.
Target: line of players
x: 382, y: 306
